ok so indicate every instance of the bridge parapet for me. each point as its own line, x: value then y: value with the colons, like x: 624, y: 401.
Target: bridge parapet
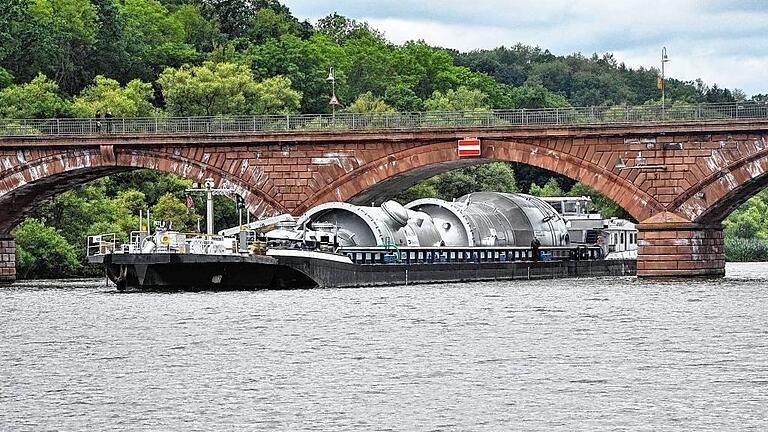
x: 571, y: 116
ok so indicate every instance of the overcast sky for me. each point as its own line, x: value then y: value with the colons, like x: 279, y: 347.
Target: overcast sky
x: 720, y: 41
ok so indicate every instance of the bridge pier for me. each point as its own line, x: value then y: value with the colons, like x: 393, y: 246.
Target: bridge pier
x: 680, y: 249
x: 7, y: 260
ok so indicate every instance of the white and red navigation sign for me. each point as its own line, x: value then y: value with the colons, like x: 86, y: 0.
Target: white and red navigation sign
x: 469, y: 147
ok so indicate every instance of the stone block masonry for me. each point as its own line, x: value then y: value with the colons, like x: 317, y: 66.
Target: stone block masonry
x: 7, y: 260
x: 680, y: 250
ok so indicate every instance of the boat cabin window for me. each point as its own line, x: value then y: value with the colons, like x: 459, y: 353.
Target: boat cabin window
x: 571, y: 207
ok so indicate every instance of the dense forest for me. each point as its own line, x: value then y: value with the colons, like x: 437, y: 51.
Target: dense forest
x: 143, y: 58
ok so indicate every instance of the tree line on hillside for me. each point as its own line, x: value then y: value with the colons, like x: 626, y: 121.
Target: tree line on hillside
x: 146, y: 58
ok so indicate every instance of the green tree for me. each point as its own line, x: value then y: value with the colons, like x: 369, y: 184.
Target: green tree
x: 368, y: 103
x: 16, y: 31
x: 275, y: 96
x: 40, y: 98
x: 132, y: 200
x: 172, y: 210
x: 461, y: 99
x: 41, y: 252
x: 536, y: 96
x: 87, y: 210
x: 341, y: 29
x: 270, y: 23
x: 6, y: 79
x: 424, y: 69
x: 370, y: 66
x: 210, y: 89
x: 154, y: 38
x: 550, y: 189
x: 425, y: 189
x: 403, y: 98
x: 110, y: 52
x: 200, y: 33
x: 68, y: 30
x: 258, y: 19
x: 153, y: 184
x: 133, y: 100
x: 495, y: 177
x: 306, y: 64
x: 224, y: 88
x: 456, y: 183
x: 750, y: 220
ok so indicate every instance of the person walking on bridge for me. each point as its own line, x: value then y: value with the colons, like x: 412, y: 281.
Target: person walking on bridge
x: 98, y: 121
x: 108, y: 116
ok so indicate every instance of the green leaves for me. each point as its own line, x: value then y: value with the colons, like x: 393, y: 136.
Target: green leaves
x: 214, y: 88
x: 133, y: 100
x: 225, y: 88
x: 154, y: 38
x: 171, y: 209
x: 274, y: 96
x: 39, y: 98
x: 41, y: 252
x: 368, y: 103
x: 750, y: 220
x: 461, y: 99
x: 491, y: 177
x: 550, y: 189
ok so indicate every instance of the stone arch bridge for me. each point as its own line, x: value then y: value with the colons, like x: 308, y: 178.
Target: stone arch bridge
x: 679, y: 178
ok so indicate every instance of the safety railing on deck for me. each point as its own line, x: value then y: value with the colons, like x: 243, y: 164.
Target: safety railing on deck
x: 163, y: 242
x: 385, y: 121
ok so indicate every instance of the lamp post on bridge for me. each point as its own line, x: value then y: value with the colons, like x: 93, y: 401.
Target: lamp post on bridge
x: 663, y: 86
x: 334, y: 100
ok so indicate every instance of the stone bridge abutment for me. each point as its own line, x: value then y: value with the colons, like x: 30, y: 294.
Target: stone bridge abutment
x: 678, y: 180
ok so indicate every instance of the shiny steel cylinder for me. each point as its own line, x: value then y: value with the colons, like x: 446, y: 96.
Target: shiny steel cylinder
x: 494, y: 219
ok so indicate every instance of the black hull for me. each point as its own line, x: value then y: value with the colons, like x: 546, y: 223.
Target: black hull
x: 187, y: 272
x: 206, y: 272
x: 342, y: 275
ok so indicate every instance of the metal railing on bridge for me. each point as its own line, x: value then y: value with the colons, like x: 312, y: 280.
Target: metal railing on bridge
x: 386, y: 121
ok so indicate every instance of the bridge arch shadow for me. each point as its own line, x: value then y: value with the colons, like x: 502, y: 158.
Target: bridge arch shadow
x: 38, y: 179
x: 396, y: 172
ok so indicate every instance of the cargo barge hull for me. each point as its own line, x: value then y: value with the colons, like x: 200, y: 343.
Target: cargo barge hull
x: 190, y: 272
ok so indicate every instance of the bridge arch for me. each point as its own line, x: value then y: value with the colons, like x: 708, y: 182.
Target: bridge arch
x: 33, y: 177
x: 716, y: 196
x: 406, y: 167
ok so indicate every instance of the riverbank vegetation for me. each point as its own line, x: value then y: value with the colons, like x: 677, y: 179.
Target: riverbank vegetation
x: 150, y: 58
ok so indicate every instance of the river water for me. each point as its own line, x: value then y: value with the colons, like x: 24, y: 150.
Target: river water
x: 588, y: 354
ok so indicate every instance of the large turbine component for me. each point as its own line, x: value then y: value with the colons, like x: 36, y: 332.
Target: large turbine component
x: 453, y: 225
x: 372, y: 226
x: 494, y: 219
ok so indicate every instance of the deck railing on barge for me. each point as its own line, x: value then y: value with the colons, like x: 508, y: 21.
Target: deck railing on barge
x: 170, y: 242
x: 430, y: 255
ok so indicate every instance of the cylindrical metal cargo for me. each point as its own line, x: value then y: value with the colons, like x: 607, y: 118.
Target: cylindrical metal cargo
x: 494, y: 219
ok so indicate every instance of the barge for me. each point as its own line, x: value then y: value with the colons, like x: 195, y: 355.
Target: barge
x: 482, y: 236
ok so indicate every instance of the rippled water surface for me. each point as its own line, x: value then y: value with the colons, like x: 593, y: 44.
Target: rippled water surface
x: 589, y: 354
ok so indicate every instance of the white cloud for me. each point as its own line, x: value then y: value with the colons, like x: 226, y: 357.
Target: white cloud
x: 717, y: 41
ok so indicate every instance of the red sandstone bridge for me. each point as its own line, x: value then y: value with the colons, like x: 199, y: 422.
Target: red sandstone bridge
x: 679, y: 171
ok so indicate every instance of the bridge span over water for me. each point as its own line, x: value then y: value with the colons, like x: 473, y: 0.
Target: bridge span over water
x: 679, y: 171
